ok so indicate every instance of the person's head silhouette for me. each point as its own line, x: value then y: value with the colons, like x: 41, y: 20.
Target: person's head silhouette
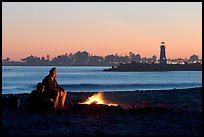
x: 53, y: 72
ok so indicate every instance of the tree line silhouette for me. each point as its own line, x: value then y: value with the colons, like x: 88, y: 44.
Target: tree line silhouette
x: 82, y: 59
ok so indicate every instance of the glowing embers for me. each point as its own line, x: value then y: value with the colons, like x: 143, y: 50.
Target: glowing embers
x: 97, y: 99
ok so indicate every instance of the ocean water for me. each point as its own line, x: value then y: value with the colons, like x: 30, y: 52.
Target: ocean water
x: 23, y: 79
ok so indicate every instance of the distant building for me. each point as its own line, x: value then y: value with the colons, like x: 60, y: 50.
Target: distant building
x: 194, y: 59
x: 149, y: 60
x: 144, y: 60
x: 162, y: 54
x: 154, y: 58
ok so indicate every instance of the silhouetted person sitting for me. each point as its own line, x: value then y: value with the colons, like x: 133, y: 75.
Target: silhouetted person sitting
x: 53, y: 90
x: 37, y: 100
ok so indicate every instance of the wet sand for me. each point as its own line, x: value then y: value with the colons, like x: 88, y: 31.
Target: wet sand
x: 185, y: 117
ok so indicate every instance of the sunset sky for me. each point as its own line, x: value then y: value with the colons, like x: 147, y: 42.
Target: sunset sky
x: 101, y: 28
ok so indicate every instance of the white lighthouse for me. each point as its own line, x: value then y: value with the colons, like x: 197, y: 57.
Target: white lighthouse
x: 162, y: 54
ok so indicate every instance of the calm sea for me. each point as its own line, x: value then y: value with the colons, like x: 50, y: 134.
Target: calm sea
x: 23, y: 79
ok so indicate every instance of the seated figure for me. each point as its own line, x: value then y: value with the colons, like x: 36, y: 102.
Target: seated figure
x: 53, y: 90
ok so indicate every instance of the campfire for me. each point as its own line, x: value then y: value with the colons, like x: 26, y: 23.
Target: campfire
x: 97, y: 99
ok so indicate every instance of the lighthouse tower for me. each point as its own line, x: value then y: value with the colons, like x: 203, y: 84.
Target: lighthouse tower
x: 162, y: 54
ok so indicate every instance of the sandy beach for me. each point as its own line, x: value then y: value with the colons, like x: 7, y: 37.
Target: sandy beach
x: 156, y: 112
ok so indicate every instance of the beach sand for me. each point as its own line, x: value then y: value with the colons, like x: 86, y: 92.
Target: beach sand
x: 183, y: 118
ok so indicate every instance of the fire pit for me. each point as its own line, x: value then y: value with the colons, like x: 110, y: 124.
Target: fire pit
x: 97, y: 99
x: 95, y: 104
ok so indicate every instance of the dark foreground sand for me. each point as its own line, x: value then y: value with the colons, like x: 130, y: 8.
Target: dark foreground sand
x: 184, y: 117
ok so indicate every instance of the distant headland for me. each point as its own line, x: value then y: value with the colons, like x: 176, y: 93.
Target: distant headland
x: 194, y: 65
x: 155, y: 67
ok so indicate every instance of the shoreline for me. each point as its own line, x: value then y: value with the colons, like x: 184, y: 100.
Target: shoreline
x: 120, y: 91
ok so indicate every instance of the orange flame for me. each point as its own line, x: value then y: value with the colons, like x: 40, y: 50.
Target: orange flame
x: 97, y: 99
